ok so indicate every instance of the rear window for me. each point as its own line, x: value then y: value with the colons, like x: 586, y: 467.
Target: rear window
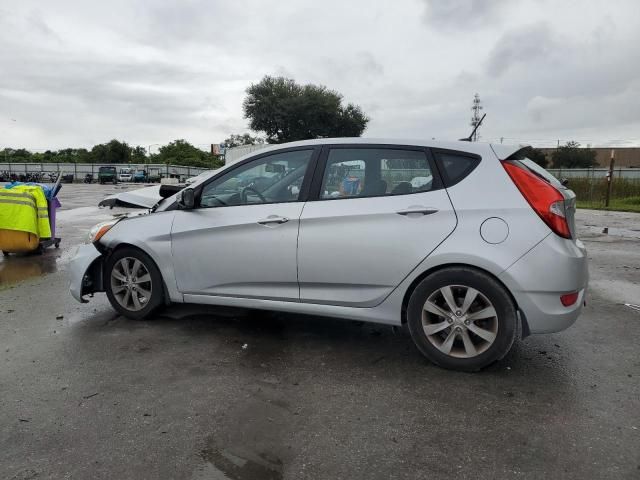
x: 455, y: 166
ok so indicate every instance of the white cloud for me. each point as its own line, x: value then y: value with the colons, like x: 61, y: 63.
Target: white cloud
x: 75, y: 73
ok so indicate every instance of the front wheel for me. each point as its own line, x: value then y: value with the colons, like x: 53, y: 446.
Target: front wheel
x: 461, y: 318
x: 133, y: 283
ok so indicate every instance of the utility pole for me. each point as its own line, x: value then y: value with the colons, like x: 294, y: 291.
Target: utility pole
x: 476, y: 108
x: 149, y: 150
x: 610, y: 178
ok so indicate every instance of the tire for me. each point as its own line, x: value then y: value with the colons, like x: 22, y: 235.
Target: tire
x: 480, y: 330
x: 145, y: 286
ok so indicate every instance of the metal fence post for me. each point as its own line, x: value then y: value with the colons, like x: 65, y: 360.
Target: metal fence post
x: 610, y: 178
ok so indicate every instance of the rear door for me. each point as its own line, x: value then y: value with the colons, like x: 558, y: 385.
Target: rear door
x: 375, y: 212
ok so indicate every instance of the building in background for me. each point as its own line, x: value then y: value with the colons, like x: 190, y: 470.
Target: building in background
x: 626, y: 157
x: 232, y: 155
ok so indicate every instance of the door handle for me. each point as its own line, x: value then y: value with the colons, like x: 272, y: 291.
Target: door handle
x: 419, y: 210
x: 273, y: 219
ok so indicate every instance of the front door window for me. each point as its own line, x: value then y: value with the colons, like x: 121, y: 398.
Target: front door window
x: 271, y: 179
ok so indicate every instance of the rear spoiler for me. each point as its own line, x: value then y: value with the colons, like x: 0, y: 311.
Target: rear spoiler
x: 504, y: 152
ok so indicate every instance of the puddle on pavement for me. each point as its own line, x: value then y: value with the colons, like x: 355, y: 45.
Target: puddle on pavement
x: 240, y: 464
x: 19, y: 267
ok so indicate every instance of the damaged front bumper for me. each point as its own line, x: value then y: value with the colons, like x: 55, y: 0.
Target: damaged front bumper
x: 86, y: 272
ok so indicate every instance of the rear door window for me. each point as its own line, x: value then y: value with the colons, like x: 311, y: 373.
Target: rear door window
x: 374, y: 172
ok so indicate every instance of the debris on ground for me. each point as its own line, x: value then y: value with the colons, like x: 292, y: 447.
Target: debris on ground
x: 633, y: 306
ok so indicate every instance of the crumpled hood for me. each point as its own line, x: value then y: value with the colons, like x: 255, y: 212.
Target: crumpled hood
x: 141, y: 198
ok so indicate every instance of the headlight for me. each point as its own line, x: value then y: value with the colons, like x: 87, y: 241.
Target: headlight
x: 97, y: 231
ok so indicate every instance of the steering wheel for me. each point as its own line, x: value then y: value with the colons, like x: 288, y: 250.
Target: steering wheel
x: 243, y: 194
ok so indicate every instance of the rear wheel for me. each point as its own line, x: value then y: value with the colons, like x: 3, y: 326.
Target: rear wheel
x: 461, y: 318
x: 133, y: 283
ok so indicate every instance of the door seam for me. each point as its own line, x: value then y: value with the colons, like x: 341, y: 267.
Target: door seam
x: 297, y: 252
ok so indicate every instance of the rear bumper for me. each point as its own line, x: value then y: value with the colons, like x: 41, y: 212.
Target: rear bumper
x: 554, y: 267
x: 85, y: 277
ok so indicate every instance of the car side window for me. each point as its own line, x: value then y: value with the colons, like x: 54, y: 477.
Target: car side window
x: 456, y: 166
x: 372, y: 172
x: 274, y: 178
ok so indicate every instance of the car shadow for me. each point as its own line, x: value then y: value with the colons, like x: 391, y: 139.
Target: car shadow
x: 260, y: 339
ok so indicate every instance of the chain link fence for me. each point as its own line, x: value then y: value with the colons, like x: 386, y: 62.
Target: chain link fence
x: 590, y: 186
x: 43, y: 172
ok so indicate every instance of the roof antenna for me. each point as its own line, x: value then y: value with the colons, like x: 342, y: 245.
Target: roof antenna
x: 468, y: 139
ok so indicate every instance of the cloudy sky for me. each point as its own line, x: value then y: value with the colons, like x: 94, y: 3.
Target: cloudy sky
x: 80, y: 72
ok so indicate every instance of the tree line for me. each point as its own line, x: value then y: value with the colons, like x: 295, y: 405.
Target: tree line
x: 178, y: 152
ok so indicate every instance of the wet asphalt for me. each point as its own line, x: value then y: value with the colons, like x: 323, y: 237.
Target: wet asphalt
x: 204, y: 393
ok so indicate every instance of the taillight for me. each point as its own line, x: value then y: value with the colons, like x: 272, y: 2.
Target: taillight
x: 545, y: 199
x: 569, y: 299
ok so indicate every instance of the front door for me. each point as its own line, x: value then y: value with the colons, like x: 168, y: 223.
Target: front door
x: 241, y: 238
x: 379, y: 212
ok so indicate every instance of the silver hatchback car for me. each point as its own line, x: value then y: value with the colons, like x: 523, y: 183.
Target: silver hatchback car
x: 471, y: 245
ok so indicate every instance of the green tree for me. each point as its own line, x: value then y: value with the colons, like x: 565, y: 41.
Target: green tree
x: 112, y: 152
x: 237, y: 140
x: 138, y: 155
x: 181, y: 152
x: 19, y: 155
x: 286, y: 111
x: 572, y: 156
x: 83, y: 155
x: 537, y: 156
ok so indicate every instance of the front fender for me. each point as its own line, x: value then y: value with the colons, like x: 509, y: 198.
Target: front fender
x: 152, y: 234
x: 85, y: 272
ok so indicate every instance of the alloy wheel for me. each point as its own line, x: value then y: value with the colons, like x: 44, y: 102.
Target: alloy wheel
x: 459, y: 321
x: 131, y: 284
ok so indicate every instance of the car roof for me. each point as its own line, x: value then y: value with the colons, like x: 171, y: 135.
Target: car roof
x: 480, y: 148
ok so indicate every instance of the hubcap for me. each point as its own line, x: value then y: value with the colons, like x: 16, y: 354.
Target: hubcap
x: 459, y: 321
x: 131, y: 284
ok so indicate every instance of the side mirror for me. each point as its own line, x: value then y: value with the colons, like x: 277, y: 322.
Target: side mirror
x: 186, y: 199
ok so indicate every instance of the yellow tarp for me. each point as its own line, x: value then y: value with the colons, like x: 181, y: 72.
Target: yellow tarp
x: 24, y: 208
